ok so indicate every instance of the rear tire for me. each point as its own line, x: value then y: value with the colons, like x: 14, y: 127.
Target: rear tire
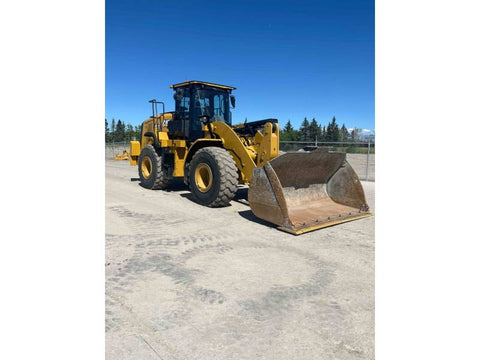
x: 213, y: 177
x: 150, y: 169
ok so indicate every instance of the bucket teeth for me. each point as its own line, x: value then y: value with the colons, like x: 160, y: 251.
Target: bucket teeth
x: 297, y: 190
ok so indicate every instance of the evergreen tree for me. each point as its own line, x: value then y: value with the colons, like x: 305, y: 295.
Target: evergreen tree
x: 129, y: 133
x: 333, y: 132
x: 107, y: 131
x: 288, y: 133
x: 315, y: 131
x: 343, y: 133
x: 112, y: 128
x: 120, y: 131
x: 304, y: 131
x: 329, y: 132
x: 288, y: 126
x: 323, y: 133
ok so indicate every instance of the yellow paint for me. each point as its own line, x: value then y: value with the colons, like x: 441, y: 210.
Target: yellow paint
x: 174, y: 86
x: 267, y: 144
x: 234, y: 145
x: 134, y: 148
x: 147, y: 127
x: 180, y: 154
x: 324, y: 225
x: 178, y: 143
x: 134, y: 152
x: 168, y: 116
x: 203, y: 177
x: 163, y: 139
x: 146, y: 167
x: 249, y: 152
x: 124, y: 156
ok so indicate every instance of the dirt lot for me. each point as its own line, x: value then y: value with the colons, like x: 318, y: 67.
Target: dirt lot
x: 188, y: 282
x: 359, y: 164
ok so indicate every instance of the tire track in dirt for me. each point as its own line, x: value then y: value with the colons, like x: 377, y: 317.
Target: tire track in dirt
x: 157, y: 253
x: 199, y: 278
x: 167, y: 254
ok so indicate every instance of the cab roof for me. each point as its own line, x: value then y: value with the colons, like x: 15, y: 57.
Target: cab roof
x: 185, y: 83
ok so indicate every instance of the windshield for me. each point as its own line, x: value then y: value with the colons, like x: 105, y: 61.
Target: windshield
x: 212, y: 103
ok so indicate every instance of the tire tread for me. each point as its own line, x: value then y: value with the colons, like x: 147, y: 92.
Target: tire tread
x: 160, y: 180
x: 228, y: 175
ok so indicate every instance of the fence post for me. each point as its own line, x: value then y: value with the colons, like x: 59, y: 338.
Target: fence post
x: 368, y: 160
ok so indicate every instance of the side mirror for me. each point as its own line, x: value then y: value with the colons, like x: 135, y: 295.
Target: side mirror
x: 232, y: 100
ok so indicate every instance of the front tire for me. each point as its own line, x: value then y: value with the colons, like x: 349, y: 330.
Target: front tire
x: 150, y: 169
x: 213, y: 177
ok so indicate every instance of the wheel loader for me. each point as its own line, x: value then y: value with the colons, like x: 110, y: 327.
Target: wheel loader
x: 298, y: 192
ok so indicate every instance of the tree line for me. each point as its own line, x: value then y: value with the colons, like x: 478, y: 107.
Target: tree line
x: 119, y: 131
x: 311, y: 131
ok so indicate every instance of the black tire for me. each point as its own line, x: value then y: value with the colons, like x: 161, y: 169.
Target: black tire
x: 216, y: 164
x: 150, y: 170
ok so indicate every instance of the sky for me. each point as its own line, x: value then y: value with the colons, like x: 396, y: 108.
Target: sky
x: 288, y: 59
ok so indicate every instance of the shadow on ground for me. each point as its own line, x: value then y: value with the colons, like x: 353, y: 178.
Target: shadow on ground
x: 174, y: 185
x: 177, y: 185
x: 241, y: 195
x: 190, y: 197
x: 248, y: 214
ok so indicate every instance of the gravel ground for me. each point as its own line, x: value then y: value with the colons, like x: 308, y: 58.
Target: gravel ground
x: 188, y: 282
x: 359, y: 164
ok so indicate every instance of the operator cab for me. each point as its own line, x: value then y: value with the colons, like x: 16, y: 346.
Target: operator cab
x: 195, y: 99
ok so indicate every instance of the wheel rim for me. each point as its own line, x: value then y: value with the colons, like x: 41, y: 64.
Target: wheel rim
x: 203, y: 177
x: 146, y: 167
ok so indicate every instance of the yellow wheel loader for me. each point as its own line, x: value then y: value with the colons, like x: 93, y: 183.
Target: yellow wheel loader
x: 299, y: 192
x: 124, y: 156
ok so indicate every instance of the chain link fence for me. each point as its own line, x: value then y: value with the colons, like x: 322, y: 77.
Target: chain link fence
x: 360, y: 155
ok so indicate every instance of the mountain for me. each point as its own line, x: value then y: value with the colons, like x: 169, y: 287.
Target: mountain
x: 364, y: 134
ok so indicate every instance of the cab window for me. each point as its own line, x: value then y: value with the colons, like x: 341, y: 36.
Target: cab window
x: 202, y: 106
x: 219, y: 107
x: 183, y: 104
